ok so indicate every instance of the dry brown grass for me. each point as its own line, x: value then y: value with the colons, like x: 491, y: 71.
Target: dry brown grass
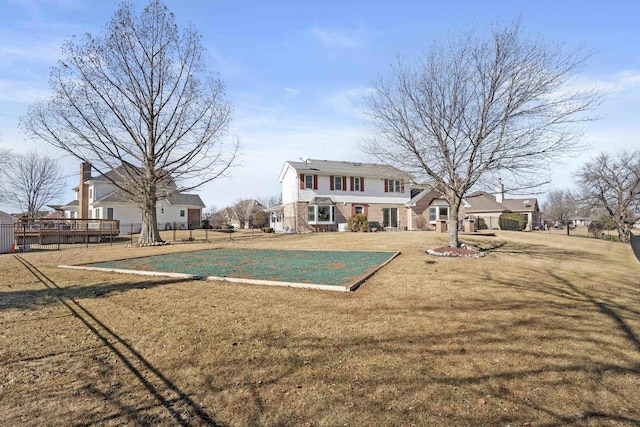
x: 544, y: 330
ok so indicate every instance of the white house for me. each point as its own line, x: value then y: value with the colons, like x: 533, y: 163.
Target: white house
x: 98, y: 198
x: 318, y: 195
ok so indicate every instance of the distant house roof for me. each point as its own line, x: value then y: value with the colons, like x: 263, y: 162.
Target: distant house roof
x: 116, y: 175
x: 177, y: 199
x: 333, y: 167
x: 71, y: 204
x: 186, y: 199
x: 484, y: 202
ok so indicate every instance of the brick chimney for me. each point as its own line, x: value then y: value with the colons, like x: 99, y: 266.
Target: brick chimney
x: 83, y: 191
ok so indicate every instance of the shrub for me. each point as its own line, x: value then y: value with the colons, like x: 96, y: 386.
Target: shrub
x: 481, y: 224
x: 267, y: 229
x: 595, y: 228
x: 358, y: 222
x: 512, y: 221
x: 420, y: 222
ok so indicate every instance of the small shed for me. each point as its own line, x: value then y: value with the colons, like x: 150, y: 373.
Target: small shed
x: 6, y: 233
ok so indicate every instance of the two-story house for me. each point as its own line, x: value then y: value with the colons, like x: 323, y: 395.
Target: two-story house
x: 318, y: 195
x: 98, y: 198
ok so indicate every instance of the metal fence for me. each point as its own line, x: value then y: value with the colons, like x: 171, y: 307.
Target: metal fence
x: 635, y: 245
x: 25, y: 236
x: 43, y: 236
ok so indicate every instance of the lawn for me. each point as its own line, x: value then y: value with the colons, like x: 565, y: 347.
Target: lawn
x: 544, y: 330
x: 329, y: 270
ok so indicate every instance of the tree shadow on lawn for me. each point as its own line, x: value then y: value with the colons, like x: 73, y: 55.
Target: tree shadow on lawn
x: 531, y: 250
x: 38, y: 298
x: 180, y: 407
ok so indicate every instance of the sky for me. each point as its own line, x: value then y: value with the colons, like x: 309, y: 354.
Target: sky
x: 296, y: 71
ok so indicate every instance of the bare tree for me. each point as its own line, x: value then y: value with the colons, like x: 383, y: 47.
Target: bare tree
x: 5, y: 157
x: 32, y: 181
x: 560, y: 206
x: 243, y: 210
x: 612, y: 183
x: 137, y: 101
x: 478, y: 109
x: 269, y: 202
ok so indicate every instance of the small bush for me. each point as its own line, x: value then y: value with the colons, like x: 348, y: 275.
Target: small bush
x: 420, y: 222
x: 267, y: 229
x: 358, y: 222
x: 595, y: 229
x: 481, y: 224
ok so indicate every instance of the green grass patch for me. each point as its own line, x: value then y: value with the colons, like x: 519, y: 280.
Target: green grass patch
x: 334, y: 268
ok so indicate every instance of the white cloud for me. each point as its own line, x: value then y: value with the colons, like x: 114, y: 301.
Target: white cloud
x: 339, y: 39
x: 21, y: 92
x: 348, y: 102
x: 290, y: 93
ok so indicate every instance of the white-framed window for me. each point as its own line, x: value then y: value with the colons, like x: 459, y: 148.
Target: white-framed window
x: 440, y: 212
x: 337, y: 183
x: 109, y: 213
x: 182, y: 213
x: 90, y: 213
x: 308, y: 182
x: 91, y: 194
x: 357, y: 210
x: 393, y: 186
x: 96, y: 213
x: 320, y: 214
x: 390, y: 217
x: 356, y: 183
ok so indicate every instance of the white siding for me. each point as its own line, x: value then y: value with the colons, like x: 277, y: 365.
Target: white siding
x: 6, y: 233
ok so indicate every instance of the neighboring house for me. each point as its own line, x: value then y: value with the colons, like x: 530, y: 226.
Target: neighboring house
x: 241, y: 214
x: 318, y: 195
x: 6, y: 232
x: 98, y: 198
x: 428, y: 210
x: 490, y: 206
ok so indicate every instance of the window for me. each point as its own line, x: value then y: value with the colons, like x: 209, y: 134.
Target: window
x: 390, y: 217
x: 357, y: 210
x: 91, y: 194
x: 97, y: 214
x: 357, y: 184
x: 337, y: 183
x: 308, y: 182
x: 181, y: 213
x: 433, y: 214
x: 161, y: 209
x: 109, y: 213
x: 320, y: 214
x: 393, y: 186
x: 440, y: 212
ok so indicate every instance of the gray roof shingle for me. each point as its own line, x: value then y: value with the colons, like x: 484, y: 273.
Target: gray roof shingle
x: 334, y: 167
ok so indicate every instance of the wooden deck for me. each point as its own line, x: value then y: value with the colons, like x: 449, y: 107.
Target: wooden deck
x: 63, y: 231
